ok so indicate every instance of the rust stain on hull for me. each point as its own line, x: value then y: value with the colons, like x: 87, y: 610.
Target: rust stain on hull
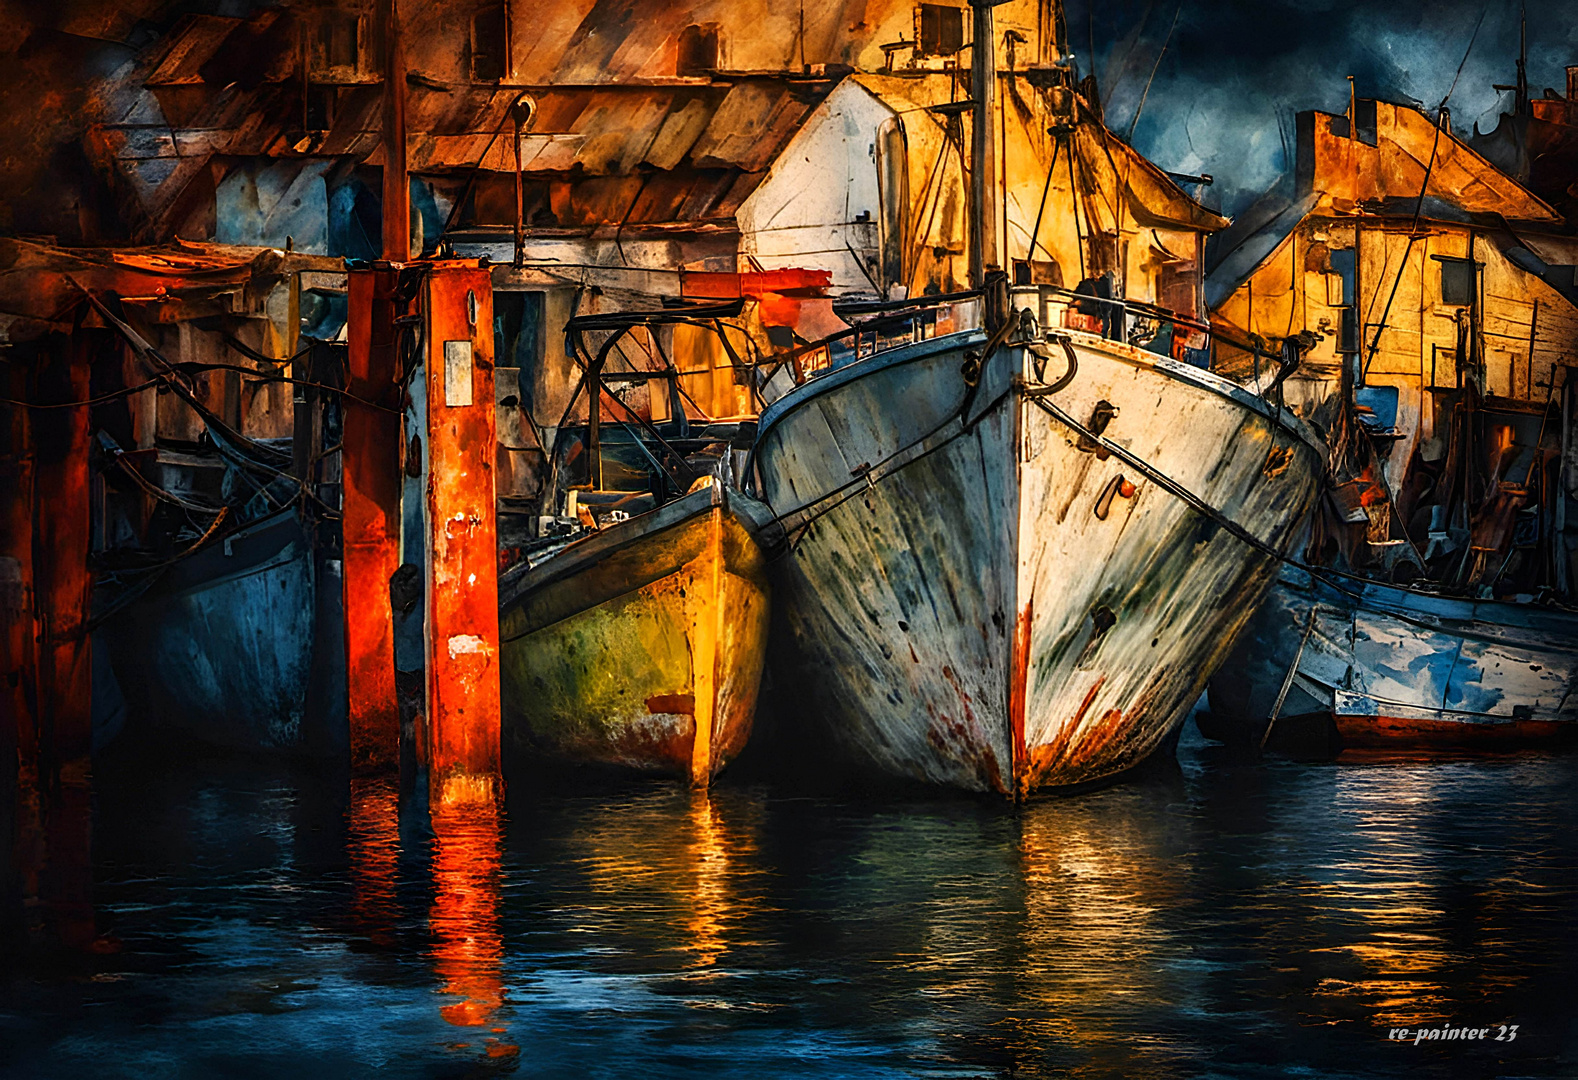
x: 672, y: 703
x: 1376, y: 732
x: 1017, y: 668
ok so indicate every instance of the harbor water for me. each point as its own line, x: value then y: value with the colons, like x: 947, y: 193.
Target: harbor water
x: 1226, y: 917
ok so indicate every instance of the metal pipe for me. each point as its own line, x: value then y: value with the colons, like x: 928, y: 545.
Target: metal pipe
x: 983, y: 164
x: 522, y: 110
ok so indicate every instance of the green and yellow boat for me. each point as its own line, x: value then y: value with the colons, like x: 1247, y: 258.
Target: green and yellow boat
x: 641, y: 645
x: 636, y: 638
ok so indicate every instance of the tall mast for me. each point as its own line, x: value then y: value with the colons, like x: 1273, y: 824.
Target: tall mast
x: 983, y: 156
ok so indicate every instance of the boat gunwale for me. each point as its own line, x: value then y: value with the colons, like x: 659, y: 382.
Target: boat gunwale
x: 1166, y: 366
x: 1355, y: 705
x: 177, y: 578
x: 584, y: 551
x: 1461, y: 613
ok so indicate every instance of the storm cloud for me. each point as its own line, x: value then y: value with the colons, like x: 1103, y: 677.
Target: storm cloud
x: 1233, y: 75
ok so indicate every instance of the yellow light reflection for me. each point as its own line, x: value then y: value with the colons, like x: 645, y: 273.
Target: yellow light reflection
x: 710, y: 902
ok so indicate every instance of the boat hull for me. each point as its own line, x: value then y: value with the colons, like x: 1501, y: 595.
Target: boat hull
x: 240, y: 646
x: 642, y: 647
x: 976, y: 596
x: 1390, y: 668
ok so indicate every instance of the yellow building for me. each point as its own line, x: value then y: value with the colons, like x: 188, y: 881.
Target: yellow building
x: 1440, y: 290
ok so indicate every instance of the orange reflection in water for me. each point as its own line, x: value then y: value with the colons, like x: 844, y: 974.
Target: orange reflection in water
x: 668, y: 870
x: 711, y: 904
x: 373, y: 837
x: 468, y: 944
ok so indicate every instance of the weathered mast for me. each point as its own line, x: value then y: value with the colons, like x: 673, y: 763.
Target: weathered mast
x: 983, y: 154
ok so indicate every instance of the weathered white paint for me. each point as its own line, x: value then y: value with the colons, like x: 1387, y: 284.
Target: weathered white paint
x: 1179, y: 586
x: 963, y: 517
x: 1384, y: 651
x: 805, y: 213
x: 464, y: 644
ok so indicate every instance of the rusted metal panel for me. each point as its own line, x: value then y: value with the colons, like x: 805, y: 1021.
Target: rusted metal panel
x: 752, y: 124
x: 971, y: 572
x: 370, y: 510
x: 1397, y: 667
x: 462, y: 718
x: 641, y: 646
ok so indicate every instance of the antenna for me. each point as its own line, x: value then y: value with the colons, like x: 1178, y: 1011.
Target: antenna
x: 1521, y: 106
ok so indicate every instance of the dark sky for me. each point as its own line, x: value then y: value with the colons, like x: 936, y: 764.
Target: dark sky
x: 1234, y: 73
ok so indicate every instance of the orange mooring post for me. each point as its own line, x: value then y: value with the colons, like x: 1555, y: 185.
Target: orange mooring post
x: 461, y: 743
x: 370, y: 457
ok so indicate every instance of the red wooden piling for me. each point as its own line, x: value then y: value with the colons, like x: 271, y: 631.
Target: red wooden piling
x: 47, y: 709
x: 18, y: 727
x: 396, y: 182
x: 370, y: 458
x: 63, y: 586
x: 462, y: 715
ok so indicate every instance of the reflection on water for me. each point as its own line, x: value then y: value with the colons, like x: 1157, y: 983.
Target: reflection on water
x: 372, y: 840
x: 1237, y: 919
x: 468, y: 947
x: 710, y: 900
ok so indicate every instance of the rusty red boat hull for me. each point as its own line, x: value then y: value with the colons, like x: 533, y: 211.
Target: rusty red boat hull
x: 1395, y: 732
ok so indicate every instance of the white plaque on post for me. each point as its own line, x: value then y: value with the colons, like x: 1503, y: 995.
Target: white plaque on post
x: 457, y: 373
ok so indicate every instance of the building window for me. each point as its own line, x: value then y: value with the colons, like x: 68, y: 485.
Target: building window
x: 939, y: 30
x: 490, y: 35
x: 698, y: 50
x: 1175, y: 288
x: 337, y: 43
x: 1457, y: 281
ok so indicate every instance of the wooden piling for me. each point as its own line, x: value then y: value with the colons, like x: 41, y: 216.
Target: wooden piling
x: 461, y: 594
x: 47, y: 708
x: 370, y: 458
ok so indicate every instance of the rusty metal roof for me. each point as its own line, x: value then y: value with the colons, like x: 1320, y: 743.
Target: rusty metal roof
x: 604, y: 130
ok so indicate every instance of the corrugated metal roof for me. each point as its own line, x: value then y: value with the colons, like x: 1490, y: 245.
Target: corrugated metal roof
x: 610, y: 131
x: 261, y: 43
x: 679, y: 149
